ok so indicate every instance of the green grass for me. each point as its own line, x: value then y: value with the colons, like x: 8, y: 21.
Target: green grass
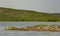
x: 8, y: 14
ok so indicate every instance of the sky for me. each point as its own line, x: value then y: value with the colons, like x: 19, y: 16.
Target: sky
x: 48, y: 6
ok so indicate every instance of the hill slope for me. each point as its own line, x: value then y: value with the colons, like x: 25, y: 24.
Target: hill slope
x: 8, y: 14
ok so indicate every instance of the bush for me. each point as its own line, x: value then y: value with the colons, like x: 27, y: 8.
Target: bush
x: 52, y: 20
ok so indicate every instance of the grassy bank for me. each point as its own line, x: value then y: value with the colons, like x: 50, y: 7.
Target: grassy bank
x: 8, y: 14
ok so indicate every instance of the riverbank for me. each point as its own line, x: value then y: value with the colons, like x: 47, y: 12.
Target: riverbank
x: 9, y: 14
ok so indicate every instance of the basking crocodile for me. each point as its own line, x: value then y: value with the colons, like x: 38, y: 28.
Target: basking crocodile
x: 35, y: 28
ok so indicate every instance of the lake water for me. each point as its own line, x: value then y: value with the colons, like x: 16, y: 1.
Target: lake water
x: 26, y: 33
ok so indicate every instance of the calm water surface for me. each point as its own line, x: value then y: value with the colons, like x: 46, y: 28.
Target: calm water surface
x: 26, y: 33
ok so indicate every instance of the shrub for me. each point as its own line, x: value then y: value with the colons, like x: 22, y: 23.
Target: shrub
x: 52, y: 20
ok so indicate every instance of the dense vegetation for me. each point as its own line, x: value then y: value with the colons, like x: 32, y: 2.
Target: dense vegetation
x: 8, y: 14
